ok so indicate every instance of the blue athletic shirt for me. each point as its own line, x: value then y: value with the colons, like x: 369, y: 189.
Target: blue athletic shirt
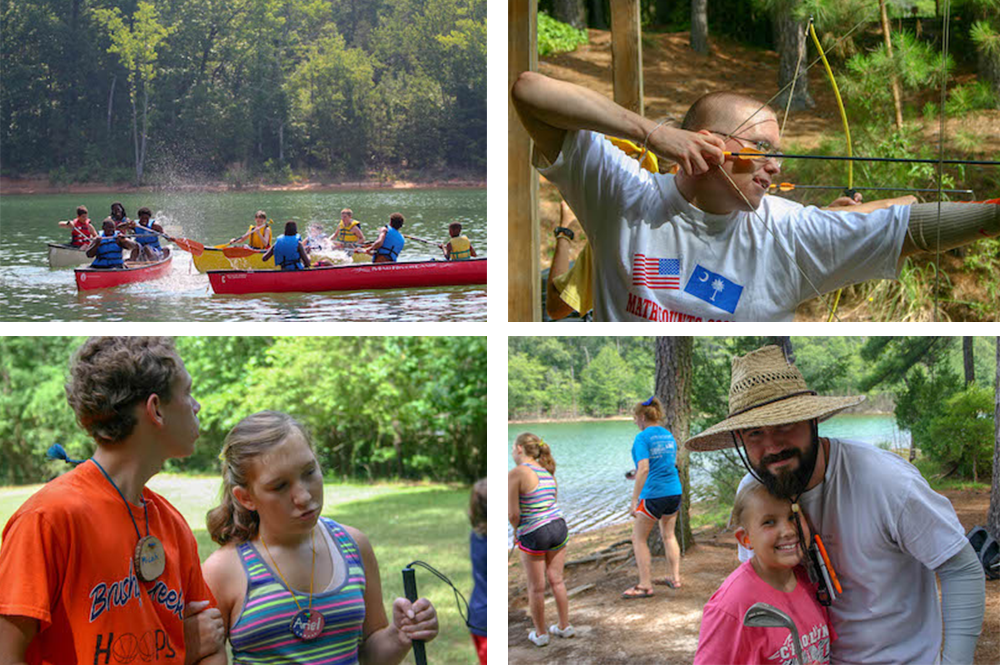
x: 658, y: 446
x: 477, y: 603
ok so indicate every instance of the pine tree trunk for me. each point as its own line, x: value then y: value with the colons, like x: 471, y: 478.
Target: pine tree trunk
x: 970, y: 366
x: 135, y: 142
x: 699, y: 26
x: 785, y: 343
x: 673, y: 388
x: 888, y: 49
x: 993, y: 516
x: 790, y: 40
x: 597, y: 18
x: 570, y: 11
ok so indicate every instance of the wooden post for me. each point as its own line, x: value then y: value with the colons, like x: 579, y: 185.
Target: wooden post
x: 524, y: 296
x: 626, y: 54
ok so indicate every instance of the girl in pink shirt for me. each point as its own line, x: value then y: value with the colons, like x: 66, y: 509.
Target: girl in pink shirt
x: 766, y: 525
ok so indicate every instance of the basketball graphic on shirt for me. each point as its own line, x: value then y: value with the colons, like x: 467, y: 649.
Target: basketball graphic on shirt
x: 125, y: 648
x: 147, y: 646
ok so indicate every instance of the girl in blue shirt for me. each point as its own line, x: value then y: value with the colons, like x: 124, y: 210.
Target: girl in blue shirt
x: 656, y: 496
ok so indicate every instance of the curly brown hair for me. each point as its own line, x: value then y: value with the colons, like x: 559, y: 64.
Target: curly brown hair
x: 111, y: 375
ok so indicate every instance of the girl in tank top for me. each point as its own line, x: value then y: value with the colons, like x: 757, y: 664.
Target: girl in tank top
x: 541, y: 532
x: 294, y: 586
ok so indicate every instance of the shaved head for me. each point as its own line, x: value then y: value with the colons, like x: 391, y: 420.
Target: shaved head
x: 723, y: 112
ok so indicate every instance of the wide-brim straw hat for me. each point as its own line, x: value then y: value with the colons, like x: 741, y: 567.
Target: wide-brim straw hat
x: 767, y: 390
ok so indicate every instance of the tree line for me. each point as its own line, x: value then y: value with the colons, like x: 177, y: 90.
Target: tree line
x: 157, y: 92
x: 939, y: 388
x: 377, y: 407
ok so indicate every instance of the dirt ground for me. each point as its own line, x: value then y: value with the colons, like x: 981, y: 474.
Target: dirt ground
x: 674, y: 76
x: 664, y: 629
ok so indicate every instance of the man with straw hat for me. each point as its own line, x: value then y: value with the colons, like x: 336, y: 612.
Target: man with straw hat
x: 886, y: 533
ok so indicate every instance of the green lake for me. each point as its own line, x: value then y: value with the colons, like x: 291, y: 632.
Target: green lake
x: 592, y: 458
x: 31, y: 291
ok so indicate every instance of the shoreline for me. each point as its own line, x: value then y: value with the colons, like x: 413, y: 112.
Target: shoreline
x: 42, y: 185
x: 590, y: 419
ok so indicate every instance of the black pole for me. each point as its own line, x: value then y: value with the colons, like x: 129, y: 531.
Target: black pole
x: 410, y: 589
x: 760, y: 155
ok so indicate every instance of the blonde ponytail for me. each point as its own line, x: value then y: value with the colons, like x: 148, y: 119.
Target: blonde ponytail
x: 538, y: 450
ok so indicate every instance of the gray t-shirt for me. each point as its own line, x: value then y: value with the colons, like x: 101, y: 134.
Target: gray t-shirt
x: 886, y: 531
x: 659, y: 258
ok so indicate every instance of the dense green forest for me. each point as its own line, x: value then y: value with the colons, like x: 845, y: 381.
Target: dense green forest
x: 923, y: 380
x: 167, y: 91
x: 377, y: 407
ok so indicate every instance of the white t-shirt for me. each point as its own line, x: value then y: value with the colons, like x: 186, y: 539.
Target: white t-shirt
x: 885, y: 531
x: 658, y: 258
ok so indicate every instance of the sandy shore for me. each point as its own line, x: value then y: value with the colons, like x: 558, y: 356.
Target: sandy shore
x: 42, y: 185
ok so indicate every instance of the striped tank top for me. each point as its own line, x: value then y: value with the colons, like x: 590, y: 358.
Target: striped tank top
x: 261, y: 635
x: 538, y: 507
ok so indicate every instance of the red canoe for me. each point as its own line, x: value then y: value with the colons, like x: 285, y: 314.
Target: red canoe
x: 351, y: 277
x: 88, y: 279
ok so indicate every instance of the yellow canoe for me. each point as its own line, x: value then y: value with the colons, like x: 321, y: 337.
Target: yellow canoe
x: 213, y: 259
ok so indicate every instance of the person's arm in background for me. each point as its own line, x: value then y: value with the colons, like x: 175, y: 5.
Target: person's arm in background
x: 963, y: 604
x: 514, y: 497
x: 641, y: 473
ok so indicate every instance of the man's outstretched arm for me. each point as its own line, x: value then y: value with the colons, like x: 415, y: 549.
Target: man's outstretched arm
x: 548, y: 108
x: 958, y: 224
x: 963, y: 603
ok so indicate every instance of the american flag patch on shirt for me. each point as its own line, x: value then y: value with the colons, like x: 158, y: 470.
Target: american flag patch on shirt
x: 656, y: 273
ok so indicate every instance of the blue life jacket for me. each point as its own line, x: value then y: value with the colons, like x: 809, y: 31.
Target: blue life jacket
x: 392, y: 245
x: 109, y: 253
x: 286, y: 253
x: 146, y: 236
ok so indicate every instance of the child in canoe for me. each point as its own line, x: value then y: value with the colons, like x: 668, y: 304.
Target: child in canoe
x: 458, y: 246
x: 258, y: 236
x: 81, y: 228
x: 106, y: 249
x: 765, y: 524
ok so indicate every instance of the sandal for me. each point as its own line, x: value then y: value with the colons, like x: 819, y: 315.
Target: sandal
x: 637, y: 592
x: 562, y: 230
x: 666, y: 581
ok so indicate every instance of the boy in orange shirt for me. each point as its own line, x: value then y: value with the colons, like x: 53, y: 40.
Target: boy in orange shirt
x: 97, y: 568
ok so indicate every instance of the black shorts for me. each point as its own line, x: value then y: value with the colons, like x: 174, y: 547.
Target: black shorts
x: 656, y: 508
x: 546, y: 538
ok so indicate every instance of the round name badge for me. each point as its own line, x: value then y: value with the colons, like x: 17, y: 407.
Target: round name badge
x: 150, y: 558
x: 308, y: 624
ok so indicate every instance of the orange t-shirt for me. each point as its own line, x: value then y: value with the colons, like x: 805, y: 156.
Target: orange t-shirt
x: 66, y: 560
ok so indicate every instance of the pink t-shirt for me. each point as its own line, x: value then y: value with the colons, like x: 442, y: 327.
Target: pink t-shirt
x: 724, y: 638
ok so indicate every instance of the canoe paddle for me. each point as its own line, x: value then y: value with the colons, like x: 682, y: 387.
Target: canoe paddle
x: 239, y: 252
x: 191, y: 246
x: 426, y: 242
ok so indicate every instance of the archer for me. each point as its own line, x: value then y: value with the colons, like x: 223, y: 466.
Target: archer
x: 662, y: 244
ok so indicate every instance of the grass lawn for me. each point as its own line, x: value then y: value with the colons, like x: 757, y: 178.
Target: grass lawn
x: 403, y: 522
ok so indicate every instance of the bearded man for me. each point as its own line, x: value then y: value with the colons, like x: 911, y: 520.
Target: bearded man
x: 886, y: 531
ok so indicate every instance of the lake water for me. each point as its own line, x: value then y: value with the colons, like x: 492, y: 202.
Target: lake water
x: 31, y: 291
x: 592, y: 458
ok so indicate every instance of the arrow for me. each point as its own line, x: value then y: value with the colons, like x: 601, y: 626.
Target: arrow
x: 749, y: 154
x: 787, y: 187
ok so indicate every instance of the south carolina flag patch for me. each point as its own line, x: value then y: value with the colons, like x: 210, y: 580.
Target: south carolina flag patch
x: 656, y: 273
x: 714, y: 289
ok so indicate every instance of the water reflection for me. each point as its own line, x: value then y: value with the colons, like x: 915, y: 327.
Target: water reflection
x: 30, y: 291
